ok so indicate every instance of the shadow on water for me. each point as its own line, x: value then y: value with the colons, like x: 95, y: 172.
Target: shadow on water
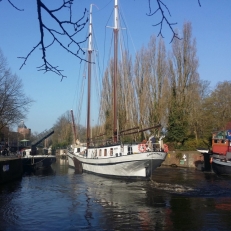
x: 61, y: 199
x: 191, y: 182
x: 40, y: 172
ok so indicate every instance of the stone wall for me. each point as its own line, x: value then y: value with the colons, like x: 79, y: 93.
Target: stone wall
x: 187, y: 159
x: 10, y: 169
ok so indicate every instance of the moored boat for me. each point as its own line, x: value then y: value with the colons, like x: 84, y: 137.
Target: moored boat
x: 120, y: 160
x: 113, y: 158
x: 221, y: 152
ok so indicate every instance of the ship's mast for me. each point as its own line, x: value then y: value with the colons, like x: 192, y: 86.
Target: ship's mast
x: 73, y: 125
x: 115, y: 29
x: 89, y: 77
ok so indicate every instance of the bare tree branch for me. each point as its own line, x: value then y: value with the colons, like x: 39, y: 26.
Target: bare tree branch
x: 162, y: 7
x: 14, y: 6
x: 71, y: 45
x: 14, y: 104
x: 76, y: 51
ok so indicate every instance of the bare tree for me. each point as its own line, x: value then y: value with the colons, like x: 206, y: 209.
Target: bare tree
x: 151, y: 83
x: 127, y: 104
x: 64, y: 35
x: 216, y: 107
x: 142, y: 85
x: 197, y: 121
x: 158, y: 82
x: 163, y: 8
x: 63, y: 135
x: 14, y: 104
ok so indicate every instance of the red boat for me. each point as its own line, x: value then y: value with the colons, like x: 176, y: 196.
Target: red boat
x: 221, y: 152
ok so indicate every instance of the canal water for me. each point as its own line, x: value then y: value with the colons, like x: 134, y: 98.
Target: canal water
x: 60, y: 199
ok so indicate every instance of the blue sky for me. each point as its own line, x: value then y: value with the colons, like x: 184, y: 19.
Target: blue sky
x: 19, y: 32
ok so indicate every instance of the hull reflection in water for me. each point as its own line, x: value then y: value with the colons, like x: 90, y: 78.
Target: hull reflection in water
x: 124, y: 203
x: 39, y: 171
x: 175, y: 199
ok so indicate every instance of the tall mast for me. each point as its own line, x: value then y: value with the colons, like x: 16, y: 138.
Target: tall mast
x: 116, y: 29
x: 73, y: 125
x: 89, y: 78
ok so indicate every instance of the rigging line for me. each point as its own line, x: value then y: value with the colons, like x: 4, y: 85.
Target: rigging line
x: 104, y: 6
x: 105, y: 37
x: 96, y: 79
x: 129, y: 33
x: 96, y: 61
x: 76, y: 88
x: 125, y: 28
x: 110, y: 52
x: 80, y: 86
x: 125, y: 74
x: 127, y: 36
x: 96, y: 71
x: 81, y: 90
x: 77, y: 104
x: 81, y: 96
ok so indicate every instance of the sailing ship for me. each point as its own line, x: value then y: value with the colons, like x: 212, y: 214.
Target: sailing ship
x: 114, y: 158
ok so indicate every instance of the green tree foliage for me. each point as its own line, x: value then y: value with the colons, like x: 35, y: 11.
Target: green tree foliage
x: 183, y: 79
x: 177, y: 124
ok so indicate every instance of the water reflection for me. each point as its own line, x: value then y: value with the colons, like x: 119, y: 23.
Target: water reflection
x: 60, y: 199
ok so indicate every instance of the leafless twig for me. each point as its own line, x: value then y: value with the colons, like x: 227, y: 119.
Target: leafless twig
x: 14, y: 5
x: 162, y: 7
x: 71, y: 45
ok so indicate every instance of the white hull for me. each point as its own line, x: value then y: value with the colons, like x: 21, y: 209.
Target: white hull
x: 136, y: 165
x: 120, y: 164
x: 72, y: 161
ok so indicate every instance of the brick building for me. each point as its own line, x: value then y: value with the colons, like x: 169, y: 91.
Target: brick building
x: 24, y: 132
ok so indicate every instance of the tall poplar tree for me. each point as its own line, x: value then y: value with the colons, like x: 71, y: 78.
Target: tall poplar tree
x: 183, y: 77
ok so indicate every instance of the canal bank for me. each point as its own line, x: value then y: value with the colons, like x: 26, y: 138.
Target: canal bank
x: 187, y: 159
x: 11, y: 168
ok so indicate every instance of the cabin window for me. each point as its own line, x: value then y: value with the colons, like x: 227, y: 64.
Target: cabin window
x: 111, y: 151
x: 129, y: 150
x: 78, y: 149
x: 105, y: 152
x: 100, y: 152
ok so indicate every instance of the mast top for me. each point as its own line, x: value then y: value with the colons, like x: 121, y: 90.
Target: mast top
x: 90, y: 30
x: 116, y: 23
